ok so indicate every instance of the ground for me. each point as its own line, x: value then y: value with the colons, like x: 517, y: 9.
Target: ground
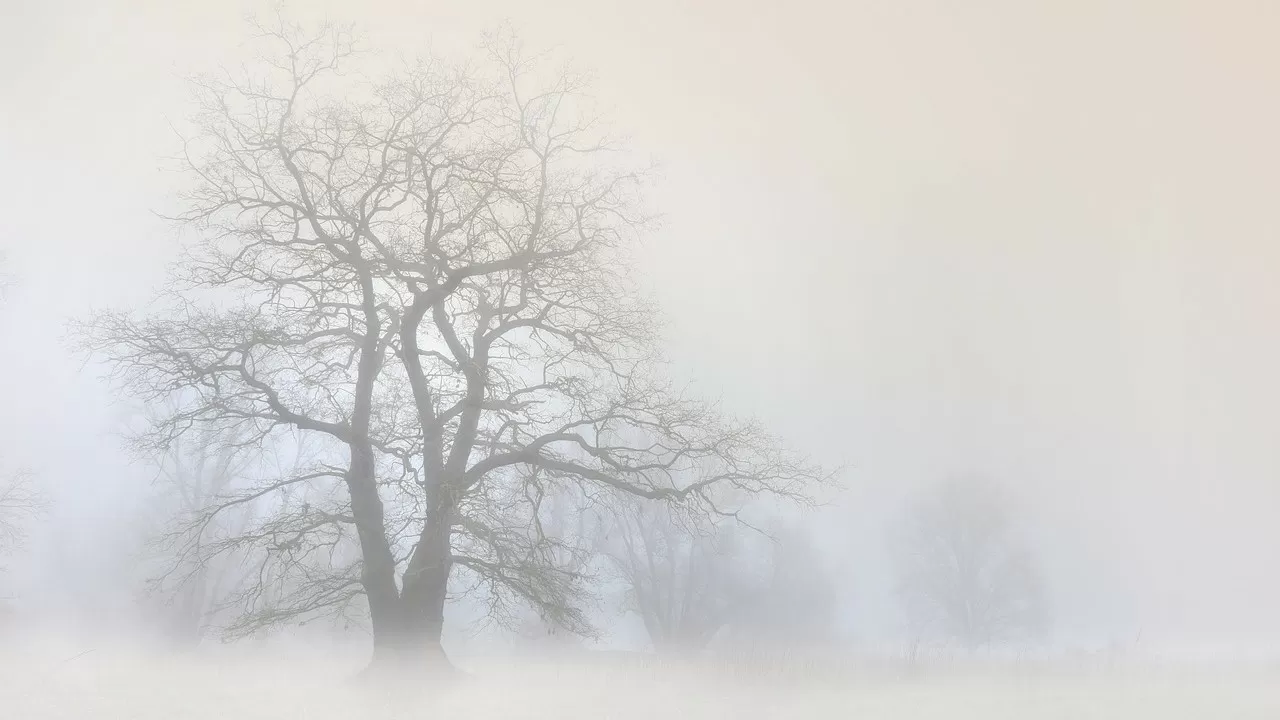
x: 107, y: 685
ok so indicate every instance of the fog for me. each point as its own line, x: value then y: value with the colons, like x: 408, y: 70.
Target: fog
x: 1033, y: 243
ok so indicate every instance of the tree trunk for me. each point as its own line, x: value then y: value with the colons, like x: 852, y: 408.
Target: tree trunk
x: 378, y: 568
x: 187, y: 622
x: 426, y: 581
x: 410, y: 647
x: 407, y: 637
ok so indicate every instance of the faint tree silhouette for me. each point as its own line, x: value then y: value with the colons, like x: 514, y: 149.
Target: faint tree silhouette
x: 963, y: 574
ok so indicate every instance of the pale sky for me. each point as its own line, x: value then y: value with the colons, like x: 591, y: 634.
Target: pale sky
x: 1035, y: 241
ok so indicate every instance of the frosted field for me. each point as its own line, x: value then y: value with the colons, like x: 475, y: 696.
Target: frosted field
x: 129, y: 685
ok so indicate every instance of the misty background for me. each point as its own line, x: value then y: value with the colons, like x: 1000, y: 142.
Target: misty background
x: 1034, y: 243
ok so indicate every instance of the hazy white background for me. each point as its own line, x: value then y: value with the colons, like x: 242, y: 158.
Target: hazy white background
x: 1036, y: 241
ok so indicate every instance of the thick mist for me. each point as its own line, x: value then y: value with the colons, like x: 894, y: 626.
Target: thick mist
x: 1030, y: 245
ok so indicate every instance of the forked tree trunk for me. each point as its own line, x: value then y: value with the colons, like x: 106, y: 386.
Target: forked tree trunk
x: 408, y: 636
x: 391, y: 641
x: 408, y: 646
x: 426, y: 585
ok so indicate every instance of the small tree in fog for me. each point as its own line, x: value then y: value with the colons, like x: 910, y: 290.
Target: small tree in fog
x: 685, y: 578
x: 427, y: 271
x: 964, y: 576
x: 196, y: 574
x: 20, y: 501
x: 796, y: 607
x: 567, y: 525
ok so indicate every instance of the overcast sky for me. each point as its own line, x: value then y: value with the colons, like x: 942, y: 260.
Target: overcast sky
x: 1034, y: 241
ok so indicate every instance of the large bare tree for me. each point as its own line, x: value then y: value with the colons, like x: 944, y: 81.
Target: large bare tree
x: 429, y: 271
x: 964, y: 574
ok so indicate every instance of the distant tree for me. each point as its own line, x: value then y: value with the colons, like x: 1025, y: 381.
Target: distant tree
x: 20, y: 502
x: 566, y: 526
x: 192, y: 581
x: 685, y: 577
x: 964, y: 576
x: 796, y: 606
x: 6, y: 279
x: 224, y: 555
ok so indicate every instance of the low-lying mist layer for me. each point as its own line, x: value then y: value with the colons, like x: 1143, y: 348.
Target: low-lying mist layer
x: 112, y: 684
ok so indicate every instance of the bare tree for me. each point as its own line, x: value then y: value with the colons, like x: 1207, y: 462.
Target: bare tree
x: 20, y: 502
x: 566, y: 522
x: 963, y: 574
x: 430, y: 270
x: 201, y: 468
x: 796, y: 606
x: 238, y: 550
x: 684, y: 578
x: 6, y: 279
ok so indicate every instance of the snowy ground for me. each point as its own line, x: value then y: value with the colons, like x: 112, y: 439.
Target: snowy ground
x: 110, y: 685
